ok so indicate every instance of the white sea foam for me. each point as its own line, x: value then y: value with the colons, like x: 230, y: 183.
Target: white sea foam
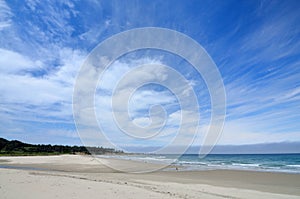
x: 272, y: 163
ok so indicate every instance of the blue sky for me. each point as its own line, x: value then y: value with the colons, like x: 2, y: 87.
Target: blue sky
x: 255, y: 45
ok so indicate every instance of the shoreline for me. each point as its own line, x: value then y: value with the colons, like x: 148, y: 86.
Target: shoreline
x: 193, y: 166
x: 85, y: 169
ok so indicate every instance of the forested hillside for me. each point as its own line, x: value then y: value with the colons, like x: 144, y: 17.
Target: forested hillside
x: 16, y: 147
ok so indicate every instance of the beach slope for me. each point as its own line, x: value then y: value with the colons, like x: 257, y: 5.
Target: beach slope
x: 73, y: 176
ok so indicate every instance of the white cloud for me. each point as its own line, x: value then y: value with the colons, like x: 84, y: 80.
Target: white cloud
x: 5, y: 15
x: 142, y: 121
x: 42, y: 93
x: 138, y: 115
x: 239, y: 133
x: 13, y: 62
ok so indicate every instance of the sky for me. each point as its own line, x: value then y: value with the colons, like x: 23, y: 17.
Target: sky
x: 254, y: 44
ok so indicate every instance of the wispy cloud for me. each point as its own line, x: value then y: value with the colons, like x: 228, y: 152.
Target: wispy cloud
x: 256, y: 47
x: 5, y: 15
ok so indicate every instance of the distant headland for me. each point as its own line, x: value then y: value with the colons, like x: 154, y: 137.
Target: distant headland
x: 18, y: 148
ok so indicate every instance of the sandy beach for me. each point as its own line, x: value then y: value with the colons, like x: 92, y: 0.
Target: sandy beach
x: 74, y: 176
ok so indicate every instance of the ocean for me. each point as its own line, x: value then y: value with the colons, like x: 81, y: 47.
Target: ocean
x: 288, y: 163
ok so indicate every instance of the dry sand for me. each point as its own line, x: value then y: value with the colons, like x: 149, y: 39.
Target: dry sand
x: 73, y: 176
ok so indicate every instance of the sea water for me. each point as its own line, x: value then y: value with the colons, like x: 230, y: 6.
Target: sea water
x: 289, y: 163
